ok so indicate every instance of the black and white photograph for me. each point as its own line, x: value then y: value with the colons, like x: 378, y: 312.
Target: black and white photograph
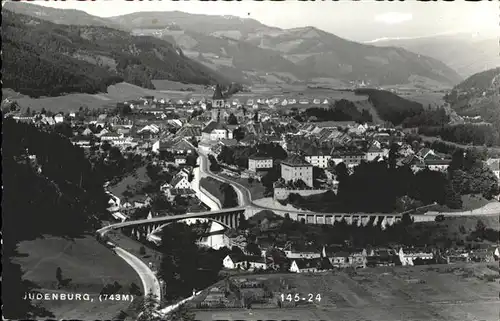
x: 250, y: 160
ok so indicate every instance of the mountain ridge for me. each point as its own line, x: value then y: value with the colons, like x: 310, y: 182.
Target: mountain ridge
x: 298, y: 55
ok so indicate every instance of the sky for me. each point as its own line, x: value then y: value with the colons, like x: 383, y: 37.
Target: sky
x: 362, y: 20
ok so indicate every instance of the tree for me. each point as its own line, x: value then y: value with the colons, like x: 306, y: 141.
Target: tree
x: 59, y: 277
x: 150, y: 306
x: 232, y: 120
x: 106, y: 146
x: 250, y: 180
x: 253, y: 248
x: 238, y: 134
x: 256, y: 117
x: 142, y: 250
x: 135, y: 290
x: 243, y: 223
x: 480, y: 226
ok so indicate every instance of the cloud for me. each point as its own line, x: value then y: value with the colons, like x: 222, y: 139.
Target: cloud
x: 392, y: 18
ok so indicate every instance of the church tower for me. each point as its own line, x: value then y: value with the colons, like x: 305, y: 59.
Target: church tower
x: 218, y: 98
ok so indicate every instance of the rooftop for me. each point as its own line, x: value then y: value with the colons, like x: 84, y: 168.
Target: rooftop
x: 295, y: 160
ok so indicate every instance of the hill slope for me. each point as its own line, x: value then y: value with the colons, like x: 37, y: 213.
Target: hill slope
x: 478, y: 95
x: 248, y: 50
x: 462, y: 52
x: 42, y: 58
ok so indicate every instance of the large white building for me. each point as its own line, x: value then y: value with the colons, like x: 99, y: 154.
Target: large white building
x: 216, y: 131
x: 318, y: 160
x: 294, y: 168
x: 255, y: 163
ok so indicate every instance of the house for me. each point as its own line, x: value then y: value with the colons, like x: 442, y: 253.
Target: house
x: 411, y: 256
x: 189, y: 131
x: 373, y: 153
x: 180, y: 160
x: 354, y: 258
x: 183, y: 147
x: 171, y: 193
x: 216, y: 131
x: 339, y: 259
x: 295, y: 167
x: 110, y: 136
x: 180, y: 181
x: 301, y: 255
x: 382, y: 257
x: 318, y: 159
x: 306, y: 265
x: 259, y: 162
x: 244, y: 262
x: 59, y: 118
x: 353, y: 158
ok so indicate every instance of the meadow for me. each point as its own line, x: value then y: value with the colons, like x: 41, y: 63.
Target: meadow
x: 88, y: 264
x: 438, y: 292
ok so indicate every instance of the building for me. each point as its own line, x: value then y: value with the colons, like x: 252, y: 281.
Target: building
x: 411, y: 256
x: 318, y: 159
x: 305, y: 265
x: 351, y: 159
x: 180, y: 181
x: 374, y: 153
x: 259, y: 162
x: 216, y: 131
x: 112, y: 137
x: 244, y: 262
x: 59, y: 118
x: 294, y: 168
x: 218, y: 98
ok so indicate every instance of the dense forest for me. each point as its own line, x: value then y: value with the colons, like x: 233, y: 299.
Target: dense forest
x: 475, y: 134
x: 391, y: 107
x: 341, y: 110
x: 49, y: 187
x: 42, y: 58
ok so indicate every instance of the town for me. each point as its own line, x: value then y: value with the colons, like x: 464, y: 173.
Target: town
x: 258, y: 159
x: 193, y: 161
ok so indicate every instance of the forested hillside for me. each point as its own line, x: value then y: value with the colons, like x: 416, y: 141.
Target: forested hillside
x: 478, y: 95
x: 49, y: 187
x: 391, y: 107
x: 42, y: 58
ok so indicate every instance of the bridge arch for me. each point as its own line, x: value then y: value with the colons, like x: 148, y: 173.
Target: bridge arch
x: 159, y: 228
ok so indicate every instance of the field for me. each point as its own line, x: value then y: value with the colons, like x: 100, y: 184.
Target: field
x: 441, y: 292
x: 87, y: 263
x: 434, y: 99
x: 116, y: 93
x: 133, y: 180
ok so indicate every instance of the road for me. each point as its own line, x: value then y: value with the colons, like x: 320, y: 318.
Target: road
x: 195, y: 185
x: 244, y: 196
x: 149, y: 280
